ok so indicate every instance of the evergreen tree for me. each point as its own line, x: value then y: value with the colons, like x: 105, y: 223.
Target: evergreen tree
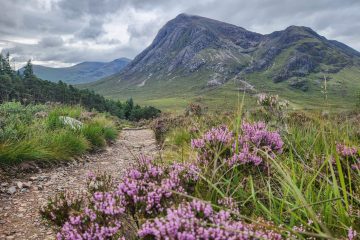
x: 28, y: 70
x: 6, y: 65
x: 129, y: 105
x: 1, y: 65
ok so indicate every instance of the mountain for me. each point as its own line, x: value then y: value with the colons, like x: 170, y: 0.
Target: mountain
x: 194, y: 57
x: 84, y: 72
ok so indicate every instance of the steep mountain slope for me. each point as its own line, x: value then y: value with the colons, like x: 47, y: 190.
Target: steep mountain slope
x: 84, y: 72
x: 196, y: 56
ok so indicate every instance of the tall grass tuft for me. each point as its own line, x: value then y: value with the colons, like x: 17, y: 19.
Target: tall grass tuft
x: 94, y: 133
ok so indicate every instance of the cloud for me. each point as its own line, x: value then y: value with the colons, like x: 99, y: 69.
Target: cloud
x: 58, y: 32
x: 50, y: 42
x: 92, y: 31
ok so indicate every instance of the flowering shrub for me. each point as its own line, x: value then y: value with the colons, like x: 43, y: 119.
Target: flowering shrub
x: 100, y: 220
x: 275, y: 110
x: 58, y: 209
x: 159, y: 126
x: 352, y: 234
x: 99, y: 182
x: 254, y: 140
x: 272, y: 103
x: 149, y: 189
x: 193, y: 109
x: 248, y: 148
x: 211, y: 144
x: 198, y: 220
x: 345, y: 151
x: 229, y: 203
x: 350, y: 153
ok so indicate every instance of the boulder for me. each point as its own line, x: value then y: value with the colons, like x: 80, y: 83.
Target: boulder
x: 11, y: 190
x: 71, y: 122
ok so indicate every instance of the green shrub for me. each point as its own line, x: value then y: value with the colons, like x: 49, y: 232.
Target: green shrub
x: 65, y: 144
x: 58, y: 209
x: 110, y: 133
x: 53, y: 121
x: 95, y: 134
x: 24, y: 150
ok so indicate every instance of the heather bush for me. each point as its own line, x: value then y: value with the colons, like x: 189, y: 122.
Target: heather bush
x: 150, y: 188
x: 194, y: 109
x: 99, y: 182
x: 198, y: 220
x: 255, y: 143
x: 99, y: 220
x: 58, y: 209
x: 252, y: 145
x: 274, y: 109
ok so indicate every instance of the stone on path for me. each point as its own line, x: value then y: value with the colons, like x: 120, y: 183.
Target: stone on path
x: 11, y: 190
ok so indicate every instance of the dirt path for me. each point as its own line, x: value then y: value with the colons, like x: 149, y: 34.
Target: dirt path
x: 19, y: 215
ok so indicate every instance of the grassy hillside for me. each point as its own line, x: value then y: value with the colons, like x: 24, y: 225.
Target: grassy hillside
x: 176, y: 93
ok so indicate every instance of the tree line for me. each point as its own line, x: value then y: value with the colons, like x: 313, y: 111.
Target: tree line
x: 27, y: 88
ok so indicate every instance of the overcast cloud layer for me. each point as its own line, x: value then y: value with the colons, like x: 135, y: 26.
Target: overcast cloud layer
x: 64, y: 32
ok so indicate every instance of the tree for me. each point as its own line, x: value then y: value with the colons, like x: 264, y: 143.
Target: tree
x: 129, y: 105
x: 6, y: 65
x: 28, y: 70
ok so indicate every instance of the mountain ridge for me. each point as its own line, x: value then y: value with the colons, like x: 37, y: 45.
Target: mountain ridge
x: 191, y: 55
x: 83, y: 72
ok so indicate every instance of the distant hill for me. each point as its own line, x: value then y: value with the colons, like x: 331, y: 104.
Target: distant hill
x: 84, y: 72
x: 194, y: 57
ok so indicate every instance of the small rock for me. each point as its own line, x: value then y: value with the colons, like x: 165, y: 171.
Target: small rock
x: 43, y: 178
x: 33, y: 178
x: 4, y: 184
x: 20, y: 185
x: 27, y: 184
x: 11, y: 190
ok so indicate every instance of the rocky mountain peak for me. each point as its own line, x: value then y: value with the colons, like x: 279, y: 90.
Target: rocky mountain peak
x: 188, y: 45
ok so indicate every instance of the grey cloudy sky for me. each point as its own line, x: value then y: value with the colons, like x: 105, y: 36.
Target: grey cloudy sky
x: 64, y: 32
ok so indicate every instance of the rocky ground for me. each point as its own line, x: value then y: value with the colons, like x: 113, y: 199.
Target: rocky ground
x: 21, y: 198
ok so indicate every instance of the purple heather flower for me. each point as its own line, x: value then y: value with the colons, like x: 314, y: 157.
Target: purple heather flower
x: 351, y: 234
x: 198, y: 220
x: 345, y: 151
x: 150, y: 188
x: 255, y: 138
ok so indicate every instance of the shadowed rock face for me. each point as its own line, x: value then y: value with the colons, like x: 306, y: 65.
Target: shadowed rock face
x: 189, y: 44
